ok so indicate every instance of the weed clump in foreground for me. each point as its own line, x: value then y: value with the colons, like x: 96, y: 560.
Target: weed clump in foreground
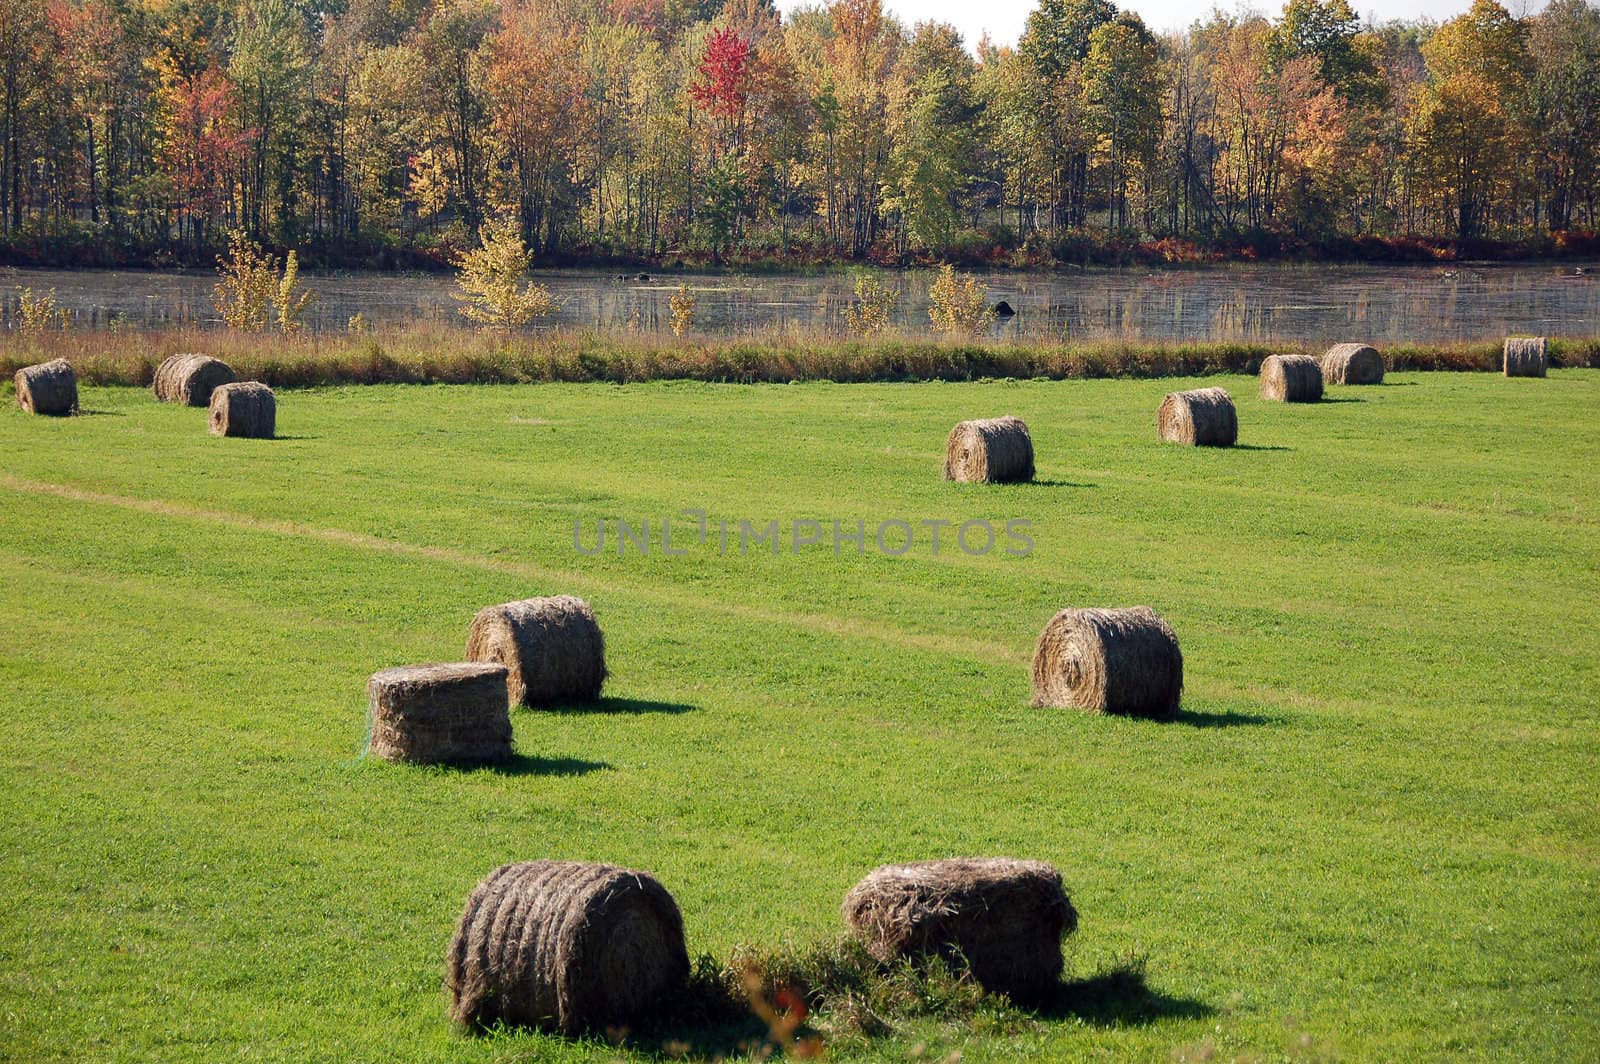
x: 836, y: 997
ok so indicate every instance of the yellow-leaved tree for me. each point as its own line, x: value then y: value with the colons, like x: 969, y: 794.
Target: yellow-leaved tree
x: 489, y: 276
x: 958, y: 304
x: 1466, y: 141
x: 872, y: 308
x: 291, y: 304
x: 249, y: 283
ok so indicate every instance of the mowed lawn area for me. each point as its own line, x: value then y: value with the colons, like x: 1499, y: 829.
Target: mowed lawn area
x: 1374, y: 832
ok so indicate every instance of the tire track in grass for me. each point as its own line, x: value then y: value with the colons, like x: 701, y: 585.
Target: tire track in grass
x: 826, y: 624
x: 1208, y: 688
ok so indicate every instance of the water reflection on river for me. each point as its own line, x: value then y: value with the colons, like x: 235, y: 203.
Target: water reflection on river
x: 1321, y: 303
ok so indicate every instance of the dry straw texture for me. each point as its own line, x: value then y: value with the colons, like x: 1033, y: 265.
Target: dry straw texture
x: 1204, y: 417
x: 1123, y: 661
x: 1001, y: 918
x: 246, y: 408
x: 567, y: 947
x: 190, y: 379
x: 552, y: 646
x: 1291, y: 379
x: 994, y: 450
x: 1525, y: 357
x: 455, y: 713
x: 48, y: 388
x: 1352, y: 364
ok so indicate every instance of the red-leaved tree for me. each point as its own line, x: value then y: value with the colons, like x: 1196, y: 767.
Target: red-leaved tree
x: 200, y: 146
x: 724, y: 75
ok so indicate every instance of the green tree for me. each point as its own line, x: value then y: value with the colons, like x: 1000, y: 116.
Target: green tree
x: 24, y: 70
x: 1056, y: 38
x: 1564, y: 107
x: 1122, y: 96
x: 270, y: 65
x: 722, y: 205
x: 933, y: 124
x: 1329, y: 31
x: 1056, y: 43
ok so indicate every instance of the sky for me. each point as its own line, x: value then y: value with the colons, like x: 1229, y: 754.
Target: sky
x: 1004, y: 18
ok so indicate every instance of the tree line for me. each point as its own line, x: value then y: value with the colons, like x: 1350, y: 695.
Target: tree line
x: 717, y: 128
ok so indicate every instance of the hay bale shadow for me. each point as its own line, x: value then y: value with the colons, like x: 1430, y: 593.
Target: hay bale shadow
x: 529, y: 765
x: 618, y: 707
x: 1342, y: 398
x: 1256, y: 447
x: 1227, y: 719
x: 1120, y: 996
x: 1053, y: 484
x: 707, y: 1020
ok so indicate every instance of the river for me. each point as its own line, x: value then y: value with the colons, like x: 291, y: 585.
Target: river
x: 1377, y: 304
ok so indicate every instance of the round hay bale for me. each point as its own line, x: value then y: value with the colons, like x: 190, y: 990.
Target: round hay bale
x: 1001, y: 918
x: 1204, y: 417
x: 994, y: 450
x: 1525, y: 357
x: 48, y: 388
x: 1352, y: 364
x: 190, y: 379
x: 451, y: 713
x: 552, y: 647
x: 244, y: 408
x: 1291, y: 379
x: 567, y: 947
x: 1123, y: 661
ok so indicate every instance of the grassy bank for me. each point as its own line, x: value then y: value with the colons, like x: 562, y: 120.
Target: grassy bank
x: 1370, y: 835
x: 435, y: 355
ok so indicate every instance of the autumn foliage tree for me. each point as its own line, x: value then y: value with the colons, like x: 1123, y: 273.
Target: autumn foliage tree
x: 201, y: 148
x: 720, y: 88
x: 539, y: 113
x: 724, y: 76
x: 1465, y: 125
x: 377, y: 130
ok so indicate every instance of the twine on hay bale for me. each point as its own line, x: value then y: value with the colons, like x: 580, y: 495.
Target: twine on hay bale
x: 1352, y: 364
x: 244, y: 408
x: 552, y: 646
x: 1525, y: 356
x: 992, y: 450
x: 48, y: 388
x: 565, y: 946
x: 454, y: 713
x: 190, y: 379
x: 1204, y: 417
x: 1001, y: 918
x: 1291, y: 379
x: 1123, y: 661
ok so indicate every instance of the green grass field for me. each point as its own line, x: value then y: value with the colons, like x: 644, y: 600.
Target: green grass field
x: 1372, y: 834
